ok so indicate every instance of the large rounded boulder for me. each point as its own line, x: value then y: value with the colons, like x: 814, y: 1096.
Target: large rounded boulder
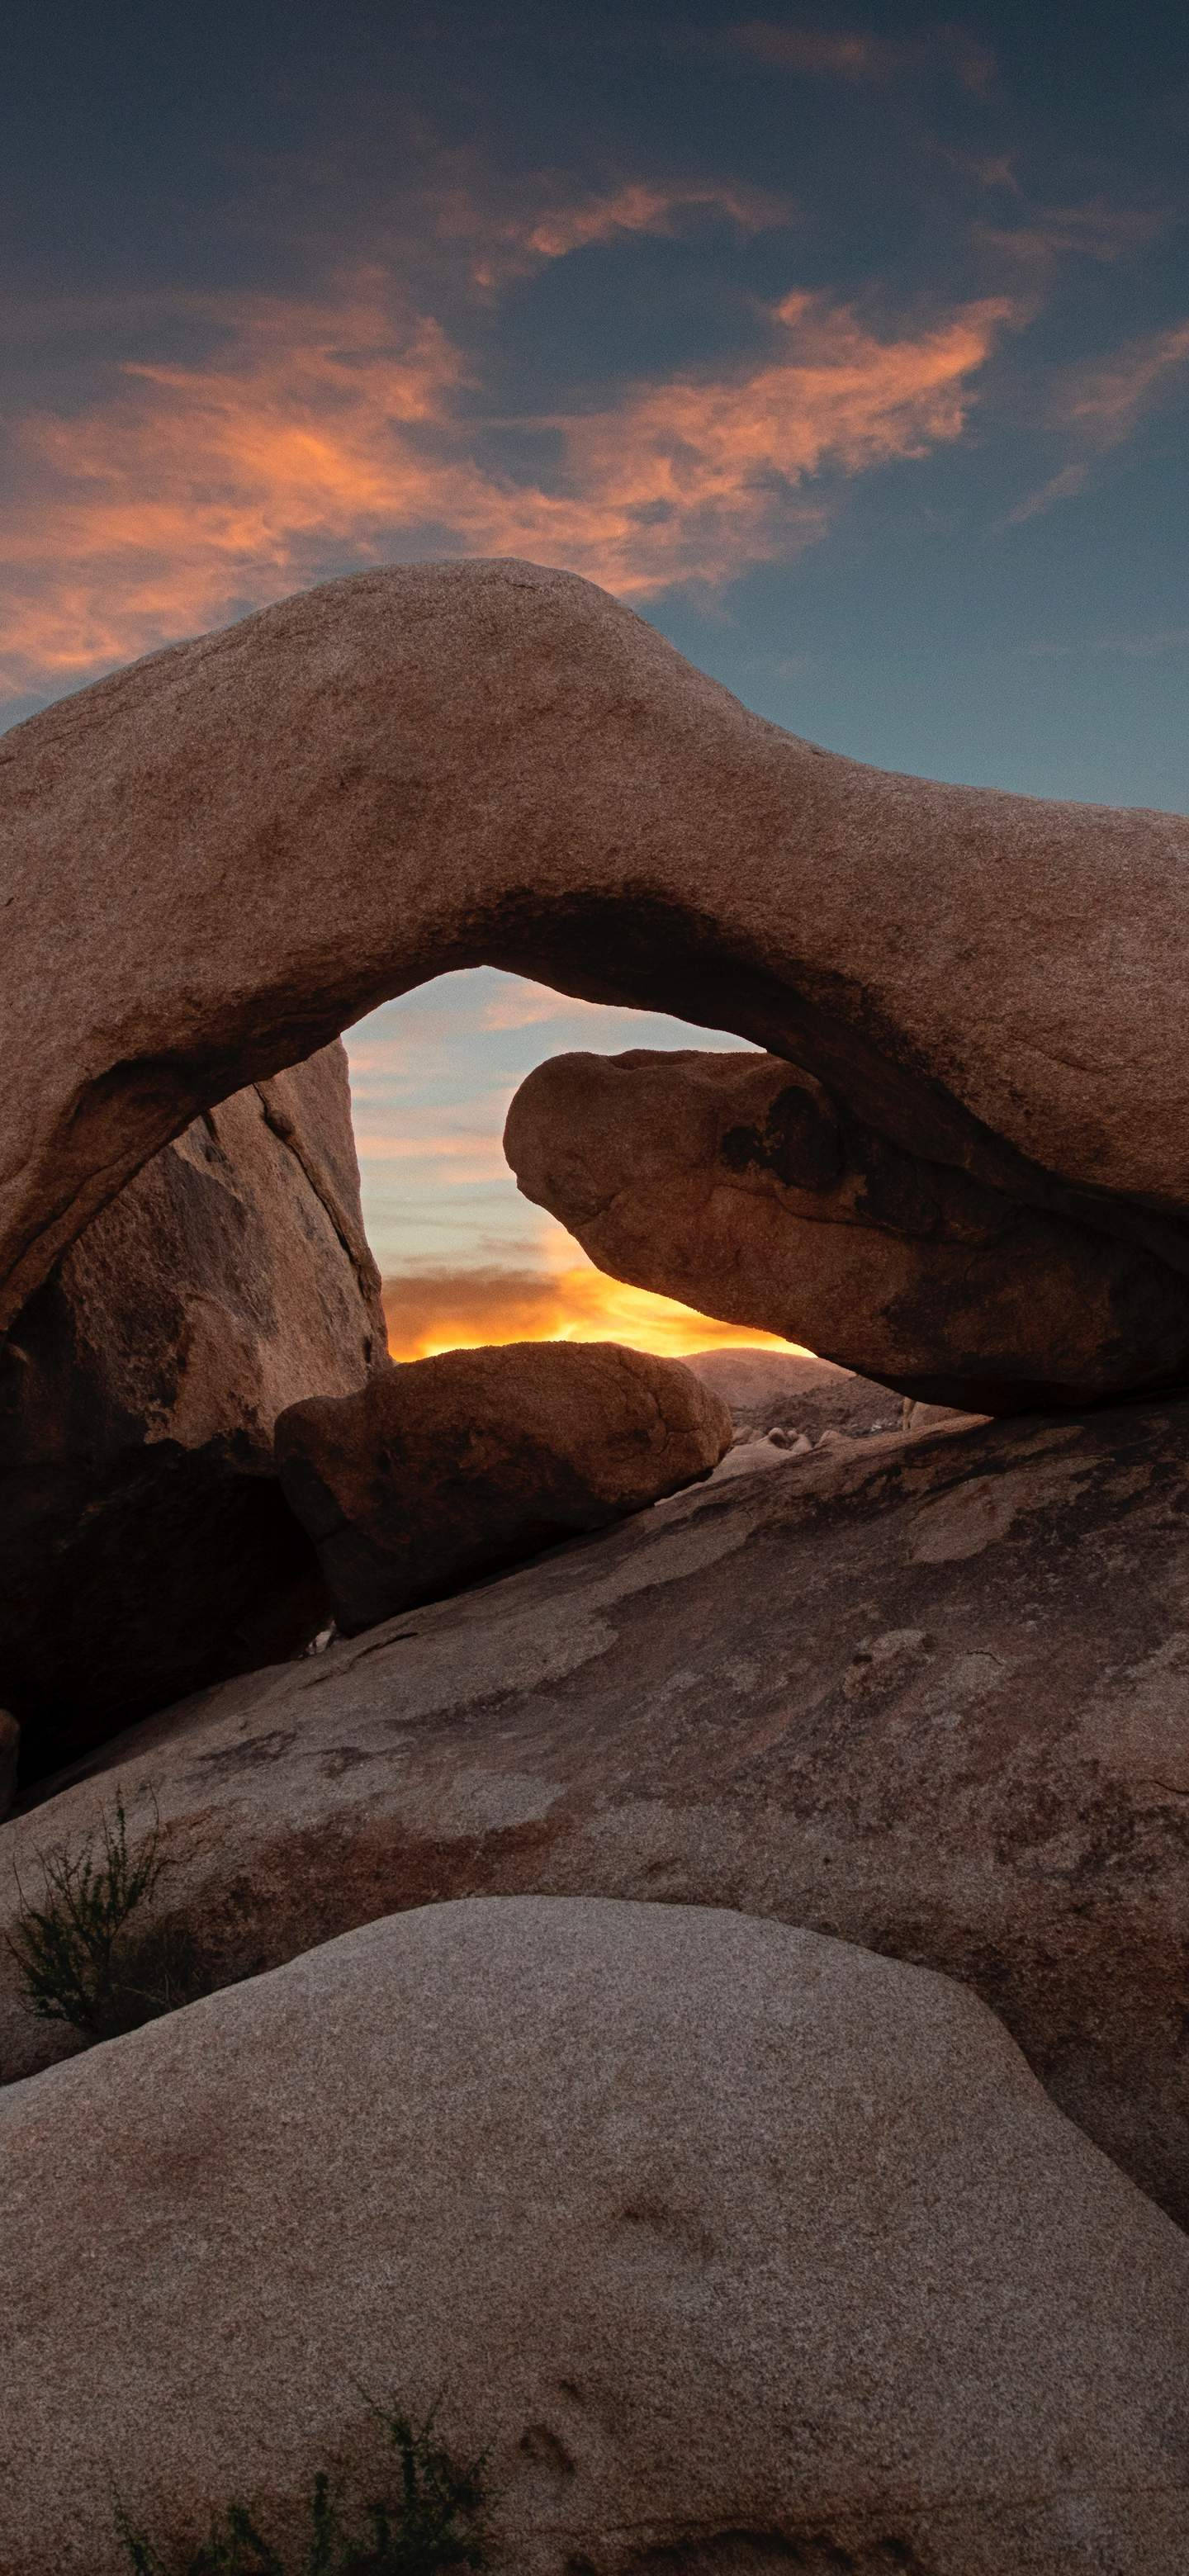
x: 732, y: 2247
x: 444, y: 1470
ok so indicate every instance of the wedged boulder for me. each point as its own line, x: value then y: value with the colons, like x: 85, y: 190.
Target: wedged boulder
x: 925, y: 1693
x: 433, y: 766
x: 145, y: 1546
x: 732, y: 2246
x: 445, y: 1470
x: 735, y: 1183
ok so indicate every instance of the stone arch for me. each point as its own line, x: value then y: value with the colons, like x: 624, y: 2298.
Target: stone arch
x: 216, y: 860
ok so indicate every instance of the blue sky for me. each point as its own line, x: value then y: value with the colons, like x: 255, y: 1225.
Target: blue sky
x: 850, y: 345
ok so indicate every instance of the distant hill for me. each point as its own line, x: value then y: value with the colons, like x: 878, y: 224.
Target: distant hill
x: 764, y: 1388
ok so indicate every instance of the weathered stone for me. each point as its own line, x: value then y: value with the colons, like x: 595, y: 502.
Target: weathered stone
x: 145, y: 1547
x: 731, y: 2246
x: 928, y: 1694
x: 10, y: 1745
x: 439, y: 765
x: 733, y: 1183
x: 933, y: 1417
x: 449, y: 1469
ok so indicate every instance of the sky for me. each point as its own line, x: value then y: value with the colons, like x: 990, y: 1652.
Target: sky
x: 850, y: 346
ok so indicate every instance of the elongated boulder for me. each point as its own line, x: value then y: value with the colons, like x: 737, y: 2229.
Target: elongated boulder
x: 240, y: 845
x: 732, y: 2248
x: 145, y: 1546
x: 448, y: 1469
x: 740, y: 1186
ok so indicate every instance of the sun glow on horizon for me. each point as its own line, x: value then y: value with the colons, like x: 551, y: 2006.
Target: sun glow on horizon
x: 430, y: 1313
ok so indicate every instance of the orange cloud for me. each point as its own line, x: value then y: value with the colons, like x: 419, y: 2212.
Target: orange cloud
x: 320, y: 435
x: 511, y: 244
x: 442, y: 1310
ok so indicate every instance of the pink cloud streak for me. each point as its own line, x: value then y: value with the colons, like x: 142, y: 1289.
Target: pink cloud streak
x: 326, y: 433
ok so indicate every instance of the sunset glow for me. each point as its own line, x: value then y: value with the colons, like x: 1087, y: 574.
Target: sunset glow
x: 434, y: 1312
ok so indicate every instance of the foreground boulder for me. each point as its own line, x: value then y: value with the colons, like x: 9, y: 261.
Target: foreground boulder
x: 440, y: 765
x: 733, y: 1183
x: 927, y: 1693
x: 448, y: 1469
x: 731, y: 2246
x: 145, y: 1547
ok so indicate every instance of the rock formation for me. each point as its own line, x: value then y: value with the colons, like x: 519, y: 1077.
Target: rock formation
x: 145, y: 1547
x: 238, y: 846
x: 927, y: 1694
x: 731, y: 2246
x: 449, y: 1469
x: 734, y: 1183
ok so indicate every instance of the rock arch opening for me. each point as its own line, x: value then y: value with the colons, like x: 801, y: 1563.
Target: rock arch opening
x: 959, y: 1162
x: 465, y: 1258
x: 229, y: 853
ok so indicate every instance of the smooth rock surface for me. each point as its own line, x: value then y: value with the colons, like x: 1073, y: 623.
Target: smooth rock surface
x: 445, y: 1470
x: 733, y: 2247
x: 145, y: 1547
x: 432, y: 766
x: 928, y: 1694
x: 732, y: 1182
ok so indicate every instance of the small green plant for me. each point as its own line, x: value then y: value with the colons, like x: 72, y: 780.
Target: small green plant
x: 432, y: 2523
x: 79, y: 1960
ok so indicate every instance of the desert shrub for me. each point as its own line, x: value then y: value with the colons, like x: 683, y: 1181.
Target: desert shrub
x: 430, y: 2523
x: 84, y: 1956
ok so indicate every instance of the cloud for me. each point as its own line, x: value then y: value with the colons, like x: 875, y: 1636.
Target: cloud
x: 430, y: 1310
x: 995, y: 170
x: 527, y: 1005
x: 1063, y: 486
x: 310, y: 438
x: 463, y: 1159
x: 503, y: 244
x: 1103, y: 405
x: 1097, y: 409
x: 861, y: 57
x: 1096, y: 230
x: 1141, y: 648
